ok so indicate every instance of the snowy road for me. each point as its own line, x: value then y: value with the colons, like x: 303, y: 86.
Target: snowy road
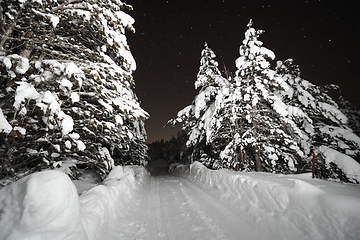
x: 198, y: 204
x: 170, y: 207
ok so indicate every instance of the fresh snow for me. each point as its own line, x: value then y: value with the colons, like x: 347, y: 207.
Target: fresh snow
x: 193, y: 203
x: 46, y: 205
x: 349, y: 166
x: 24, y: 91
x: 284, y: 206
x: 341, y: 132
x: 53, y: 18
x: 46, y: 101
x: 75, y: 97
x: 4, y: 124
x: 7, y: 62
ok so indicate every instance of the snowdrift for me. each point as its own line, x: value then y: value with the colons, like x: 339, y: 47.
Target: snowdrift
x: 316, y: 209
x: 46, y: 205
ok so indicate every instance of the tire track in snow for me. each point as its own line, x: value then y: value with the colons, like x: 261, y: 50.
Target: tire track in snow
x: 154, y: 225
x: 236, y: 228
x: 177, y: 209
x: 188, y: 224
x: 210, y: 224
x: 185, y: 219
x: 166, y: 203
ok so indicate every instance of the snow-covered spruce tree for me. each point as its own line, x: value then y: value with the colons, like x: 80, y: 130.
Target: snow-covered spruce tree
x: 67, y: 87
x: 345, y: 106
x: 352, y: 113
x: 225, y: 126
x: 323, y: 125
x: 265, y: 138
x: 195, y: 118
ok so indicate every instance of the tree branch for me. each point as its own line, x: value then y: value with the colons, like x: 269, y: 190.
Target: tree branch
x: 11, y: 28
x: 63, y: 6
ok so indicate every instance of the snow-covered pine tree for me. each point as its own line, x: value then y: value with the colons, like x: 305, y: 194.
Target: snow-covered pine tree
x: 195, y: 118
x: 352, y: 113
x: 209, y: 74
x: 323, y: 125
x: 346, y: 107
x: 263, y: 137
x: 67, y: 87
x: 226, y: 126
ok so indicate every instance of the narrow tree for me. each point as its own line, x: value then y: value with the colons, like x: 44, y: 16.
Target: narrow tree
x: 196, y: 117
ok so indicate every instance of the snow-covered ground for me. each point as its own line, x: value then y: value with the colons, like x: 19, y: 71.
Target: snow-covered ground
x: 193, y: 203
x: 46, y: 205
x: 284, y: 206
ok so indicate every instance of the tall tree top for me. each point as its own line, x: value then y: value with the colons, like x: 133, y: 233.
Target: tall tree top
x: 209, y: 73
x: 253, y: 57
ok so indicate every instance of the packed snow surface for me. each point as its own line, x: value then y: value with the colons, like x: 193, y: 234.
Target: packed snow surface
x: 284, y: 206
x: 192, y: 203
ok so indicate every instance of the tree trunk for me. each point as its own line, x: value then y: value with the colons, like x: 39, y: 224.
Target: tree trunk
x: 212, y: 147
x: 10, y: 29
x: 257, y: 162
x: 7, y: 34
x: 256, y: 150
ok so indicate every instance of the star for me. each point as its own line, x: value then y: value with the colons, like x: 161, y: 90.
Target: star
x: 172, y: 35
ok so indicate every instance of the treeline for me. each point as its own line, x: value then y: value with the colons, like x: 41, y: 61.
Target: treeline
x: 173, y: 150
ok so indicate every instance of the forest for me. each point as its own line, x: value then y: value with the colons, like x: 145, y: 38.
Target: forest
x: 67, y: 101
x: 266, y: 117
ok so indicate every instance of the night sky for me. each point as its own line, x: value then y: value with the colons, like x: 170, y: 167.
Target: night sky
x: 323, y: 37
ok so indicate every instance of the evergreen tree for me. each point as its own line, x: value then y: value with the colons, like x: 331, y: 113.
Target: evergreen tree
x: 345, y: 106
x: 321, y: 120
x: 268, y: 120
x: 209, y: 74
x: 196, y: 117
x: 173, y: 150
x: 261, y: 139
x: 279, y: 115
x: 67, y: 86
x: 353, y: 115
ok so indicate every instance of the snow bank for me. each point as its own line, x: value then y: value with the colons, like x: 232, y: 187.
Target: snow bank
x: 298, y: 205
x: 46, y: 205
